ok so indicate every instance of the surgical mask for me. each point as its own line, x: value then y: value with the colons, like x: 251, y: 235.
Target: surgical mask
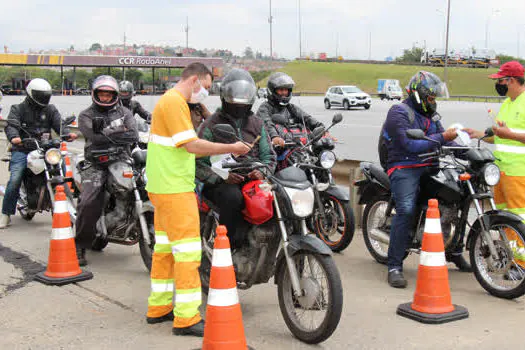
x: 200, y: 95
x: 502, y: 89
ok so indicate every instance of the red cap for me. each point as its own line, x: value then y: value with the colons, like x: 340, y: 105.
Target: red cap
x: 509, y: 69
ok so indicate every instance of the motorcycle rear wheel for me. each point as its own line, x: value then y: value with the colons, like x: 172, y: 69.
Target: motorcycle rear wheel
x: 146, y: 251
x: 321, y: 294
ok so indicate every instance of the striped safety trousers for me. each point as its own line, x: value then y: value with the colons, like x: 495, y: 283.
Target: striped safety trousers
x: 176, y: 259
x: 509, y: 194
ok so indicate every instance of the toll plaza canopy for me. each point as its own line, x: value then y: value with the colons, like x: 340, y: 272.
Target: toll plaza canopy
x: 106, y: 61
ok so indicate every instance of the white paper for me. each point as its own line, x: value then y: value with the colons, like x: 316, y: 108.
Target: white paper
x: 463, y: 138
x: 216, y: 164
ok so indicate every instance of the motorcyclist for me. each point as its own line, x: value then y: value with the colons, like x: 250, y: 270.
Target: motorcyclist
x: 405, y: 168
x: 118, y: 127
x: 280, y: 87
x: 126, y: 92
x: 237, y: 97
x: 37, y: 117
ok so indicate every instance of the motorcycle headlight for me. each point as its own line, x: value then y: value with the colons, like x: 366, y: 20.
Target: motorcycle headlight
x: 302, y: 201
x: 53, y: 156
x: 327, y: 159
x: 491, y: 174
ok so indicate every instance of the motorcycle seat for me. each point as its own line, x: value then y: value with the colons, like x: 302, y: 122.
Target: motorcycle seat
x: 381, y: 176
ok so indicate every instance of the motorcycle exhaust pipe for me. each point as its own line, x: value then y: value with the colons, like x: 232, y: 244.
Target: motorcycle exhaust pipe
x: 380, y: 236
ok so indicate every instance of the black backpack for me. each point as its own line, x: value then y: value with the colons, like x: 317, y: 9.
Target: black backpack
x: 385, y: 139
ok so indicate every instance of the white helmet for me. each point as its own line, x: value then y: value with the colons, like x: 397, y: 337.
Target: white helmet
x: 39, y: 91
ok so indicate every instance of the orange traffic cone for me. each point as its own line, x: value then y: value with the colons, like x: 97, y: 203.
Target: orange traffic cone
x: 223, y: 328
x: 67, y: 160
x: 432, y: 301
x: 62, y: 266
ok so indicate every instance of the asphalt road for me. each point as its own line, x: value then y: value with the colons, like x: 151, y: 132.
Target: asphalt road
x: 357, y: 133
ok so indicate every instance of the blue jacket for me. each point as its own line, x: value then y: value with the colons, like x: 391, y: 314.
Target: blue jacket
x: 402, y: 150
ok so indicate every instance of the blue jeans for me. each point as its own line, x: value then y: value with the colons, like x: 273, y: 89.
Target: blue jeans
x: 17, y: 166
x: 405, y: 189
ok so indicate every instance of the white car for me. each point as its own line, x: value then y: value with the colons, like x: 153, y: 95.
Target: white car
x: 346, y: 96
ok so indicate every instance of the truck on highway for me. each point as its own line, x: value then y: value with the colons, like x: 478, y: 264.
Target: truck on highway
x: 389, y: 89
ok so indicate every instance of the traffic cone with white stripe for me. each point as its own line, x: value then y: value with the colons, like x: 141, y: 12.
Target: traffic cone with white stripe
x: 432, y: 302
x: 223, y: 328
x: 62, y: 265
x: 67, y: 160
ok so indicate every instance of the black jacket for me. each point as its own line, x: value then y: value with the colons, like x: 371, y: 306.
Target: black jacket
x: 291, y: 112
x: 120, y: 127
x: 35, y: 120
x: 136, y: 108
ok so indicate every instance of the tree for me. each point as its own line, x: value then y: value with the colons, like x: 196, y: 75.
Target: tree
x: 95, y: 47
x: 412, y: 55
x: 505, y: 58
x: 248, y: 52
x: 71, y: 48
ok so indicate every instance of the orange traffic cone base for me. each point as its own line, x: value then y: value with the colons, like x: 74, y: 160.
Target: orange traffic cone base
x: 60, y: 281
x: 406, y: 310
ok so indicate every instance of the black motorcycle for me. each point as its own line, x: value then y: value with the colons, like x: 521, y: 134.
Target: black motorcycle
x: 333, y: 218
x: 45, y: 170
x: 278, y: 244
x: 457, y: 185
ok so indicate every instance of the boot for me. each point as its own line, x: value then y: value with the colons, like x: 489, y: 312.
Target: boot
x: 396, y: 279
x: 196, y: 330
x: 5, y: 220
x: 81, y: 256
x: 460, y: 262
x: 154, y: 320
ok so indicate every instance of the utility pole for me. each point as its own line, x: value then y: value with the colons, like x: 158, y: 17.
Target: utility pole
x: 337, y: 46
x: 518, y: 44
x: 445, y: 73
x: 270, y: 20
x: 370, y: 45
x: 187, y: 30
x: 123, y: 68
x: 300, y: 30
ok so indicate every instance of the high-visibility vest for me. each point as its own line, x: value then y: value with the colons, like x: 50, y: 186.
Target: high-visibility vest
x: 510, y: 153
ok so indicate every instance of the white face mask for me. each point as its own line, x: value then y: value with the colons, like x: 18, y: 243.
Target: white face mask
x: 199, y: 96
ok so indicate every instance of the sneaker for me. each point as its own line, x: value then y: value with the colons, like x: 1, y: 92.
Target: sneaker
x: 460, y: 262
x: 5, y: 220
x: 153, y: 320
x: 514, y: 274
x: 81, y: 256
x: 396, y: 279
x: 196, y: 330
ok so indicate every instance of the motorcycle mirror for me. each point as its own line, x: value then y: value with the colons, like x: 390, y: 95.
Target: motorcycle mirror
x: 224, y: 132
x: 337, y: 118
x: 279, y: 119
x: 69, y: 120
x: 416, y: 134
x: 98, y: 125
x: 318, y: 132
x: 489, y: 132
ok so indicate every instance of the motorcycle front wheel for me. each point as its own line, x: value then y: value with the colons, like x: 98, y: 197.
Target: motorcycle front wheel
x: 146, y: 251
x: 338, y: 226
x: 503, y: 277
x: 314, y: 316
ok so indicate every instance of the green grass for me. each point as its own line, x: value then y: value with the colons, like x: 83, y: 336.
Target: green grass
x: 318, y: 76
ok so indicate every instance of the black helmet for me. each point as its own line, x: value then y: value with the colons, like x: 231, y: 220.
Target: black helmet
x: 422, y: 86
x: 238, y: 93
x: 39, y: 91
x: 105, y: 83
x: 280, y: 80
x: 126, y: 90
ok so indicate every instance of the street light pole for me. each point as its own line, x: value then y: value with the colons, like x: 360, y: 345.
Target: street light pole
x: 300, y: 32
x: 493, y: 13
x: 270, y: 20
x: 445, y: 73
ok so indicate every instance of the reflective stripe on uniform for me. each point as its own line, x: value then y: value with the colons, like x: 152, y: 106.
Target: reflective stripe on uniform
x: 188, y: 295
x: 174, y: 140
x: 61, y: 233
x: 187, y: 250
x: 162, y: 243
x: 222, y: 258
x: 223, y: 297
x: 161, y: 286
x: 510, y: 149
x: 432, y: 259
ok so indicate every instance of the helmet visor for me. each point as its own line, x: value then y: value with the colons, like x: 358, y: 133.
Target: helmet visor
x: 283, y: 81
x: 439, y: 90
x: 239, y: 92
x: 41, y: 97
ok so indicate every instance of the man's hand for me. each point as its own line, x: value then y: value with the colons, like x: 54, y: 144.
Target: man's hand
x: 503, y: 131
x: 256, y: 175
x: 16, y: 140
x: 72, y: 136
x: 474, y: 134
x: 234, y: 179
x: 239, y: 148
x: 278, y: 141
x: 450, y: 134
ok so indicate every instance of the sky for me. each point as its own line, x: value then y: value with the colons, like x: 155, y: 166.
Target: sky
x: 354, y: 29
